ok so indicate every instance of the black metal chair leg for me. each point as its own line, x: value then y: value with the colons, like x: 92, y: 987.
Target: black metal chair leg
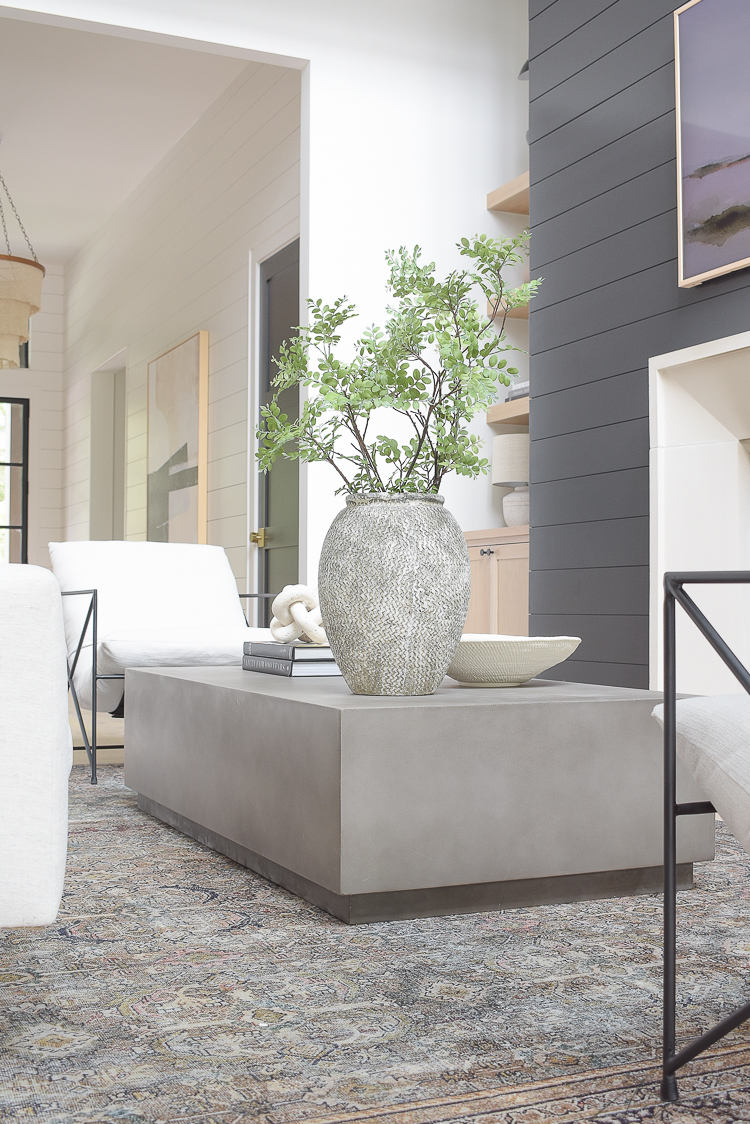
x: 94, y: 684
x: 668, y: 1088
x: 91, y: 615
x: 669, y: 1081
x: 81, y: 723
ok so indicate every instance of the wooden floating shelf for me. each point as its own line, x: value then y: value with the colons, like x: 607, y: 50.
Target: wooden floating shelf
x: 521, y: 313
x: 512, y: 197
x: 515, y: 412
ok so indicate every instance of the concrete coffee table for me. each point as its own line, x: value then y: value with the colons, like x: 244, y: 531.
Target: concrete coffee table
x: 383, y: 808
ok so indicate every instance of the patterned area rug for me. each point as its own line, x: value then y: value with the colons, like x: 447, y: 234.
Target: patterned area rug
x: 176, y: 986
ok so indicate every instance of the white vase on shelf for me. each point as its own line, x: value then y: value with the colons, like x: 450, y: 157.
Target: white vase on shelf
x: 510, y: 469
x: 516, y: 507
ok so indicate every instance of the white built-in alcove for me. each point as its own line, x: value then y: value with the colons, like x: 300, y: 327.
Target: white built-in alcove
x: 699, y: 402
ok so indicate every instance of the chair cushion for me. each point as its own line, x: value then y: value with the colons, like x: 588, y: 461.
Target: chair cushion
x: 175, y: 647
x: 713, y: 741
x: 162, y: 647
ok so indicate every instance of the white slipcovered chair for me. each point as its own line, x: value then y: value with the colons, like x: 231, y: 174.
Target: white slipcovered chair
x: 711, y: 735
x: 144, y: 604
x: 35, y: 747
x: 713, y: 741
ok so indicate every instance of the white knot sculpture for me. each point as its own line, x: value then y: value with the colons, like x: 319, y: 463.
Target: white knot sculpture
x: 296, y: 616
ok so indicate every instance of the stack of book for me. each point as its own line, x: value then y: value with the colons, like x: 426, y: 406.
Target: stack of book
x: 288, y: 659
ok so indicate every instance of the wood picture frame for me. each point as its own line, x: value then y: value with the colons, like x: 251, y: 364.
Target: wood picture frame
x: 177, y: 443
x: 712, y: 85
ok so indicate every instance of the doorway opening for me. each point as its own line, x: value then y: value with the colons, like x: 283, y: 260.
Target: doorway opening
x: 181, y: 159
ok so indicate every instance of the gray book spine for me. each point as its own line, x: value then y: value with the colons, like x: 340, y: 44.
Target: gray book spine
x: 268, y: 651
x: 271, y: 667
x: 271, y: 651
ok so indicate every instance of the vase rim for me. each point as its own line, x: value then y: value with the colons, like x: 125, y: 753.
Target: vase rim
x: 392, y: 497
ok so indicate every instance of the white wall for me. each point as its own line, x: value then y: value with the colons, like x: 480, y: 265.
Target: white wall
x: 42, y: 384
x: 175, y: 258
x: 415, y: 114
x: 412, y: 112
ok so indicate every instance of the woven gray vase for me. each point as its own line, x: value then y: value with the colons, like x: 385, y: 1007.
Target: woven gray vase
x: 394, y: 584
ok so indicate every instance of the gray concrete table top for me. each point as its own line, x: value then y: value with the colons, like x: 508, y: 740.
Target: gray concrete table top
x: 333, y: 692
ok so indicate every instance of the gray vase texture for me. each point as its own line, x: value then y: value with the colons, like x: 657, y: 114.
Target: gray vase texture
x: 394, y: 583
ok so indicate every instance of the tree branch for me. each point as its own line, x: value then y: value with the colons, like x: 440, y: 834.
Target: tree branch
x: 328, y: 457
x: 354, y: 430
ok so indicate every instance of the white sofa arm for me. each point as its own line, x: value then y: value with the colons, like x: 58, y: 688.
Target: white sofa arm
x: 35, y: 747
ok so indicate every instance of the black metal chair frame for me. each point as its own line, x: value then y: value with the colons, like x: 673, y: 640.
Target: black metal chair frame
x: 90, y: 743
x: 675, y: 593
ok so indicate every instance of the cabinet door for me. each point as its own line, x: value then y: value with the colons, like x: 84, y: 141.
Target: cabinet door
x: 509, y: 589
x: 479, y: 617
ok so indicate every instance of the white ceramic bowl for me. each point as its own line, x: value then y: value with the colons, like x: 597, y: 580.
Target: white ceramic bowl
x: 485, y: 660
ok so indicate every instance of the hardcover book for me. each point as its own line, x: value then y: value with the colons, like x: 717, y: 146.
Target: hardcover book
x: 296, y: 652
x: 289, y: 667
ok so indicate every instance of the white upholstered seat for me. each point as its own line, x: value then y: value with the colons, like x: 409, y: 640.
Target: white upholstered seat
x: 158, y: 604
x: 35, y: 747
x: 713, y: 741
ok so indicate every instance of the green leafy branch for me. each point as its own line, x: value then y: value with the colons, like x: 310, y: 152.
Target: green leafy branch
x: 437, y: 363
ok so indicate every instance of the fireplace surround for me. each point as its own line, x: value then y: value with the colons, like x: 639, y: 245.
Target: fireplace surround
x: 699, y: 422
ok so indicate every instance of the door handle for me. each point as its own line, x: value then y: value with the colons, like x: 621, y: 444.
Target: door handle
x: 487, y: 551
x: 259, y: 537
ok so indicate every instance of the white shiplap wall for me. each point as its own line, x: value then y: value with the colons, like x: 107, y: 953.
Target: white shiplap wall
x: 42, y: 384
x: 173, y: 259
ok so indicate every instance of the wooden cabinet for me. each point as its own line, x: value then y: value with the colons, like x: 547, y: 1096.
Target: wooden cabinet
x: 499, y: 581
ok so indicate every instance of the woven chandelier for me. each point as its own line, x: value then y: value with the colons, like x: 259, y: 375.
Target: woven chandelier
x: 20, y: 291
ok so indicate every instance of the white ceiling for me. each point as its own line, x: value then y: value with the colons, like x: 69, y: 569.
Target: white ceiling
x: 83, y: 119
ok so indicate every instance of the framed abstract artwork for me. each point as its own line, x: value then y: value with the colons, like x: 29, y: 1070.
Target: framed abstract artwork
x: 713, y: 138
x: 177, y: 445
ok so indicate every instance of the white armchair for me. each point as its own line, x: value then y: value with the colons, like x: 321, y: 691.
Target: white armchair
x: 35, y: 747
x: 144, y: 604
x: 712, y: 736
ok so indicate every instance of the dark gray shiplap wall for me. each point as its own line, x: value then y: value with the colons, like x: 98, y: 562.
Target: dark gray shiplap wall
x: 603, y: 215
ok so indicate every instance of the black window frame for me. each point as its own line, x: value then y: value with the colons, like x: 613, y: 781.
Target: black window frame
x: 24, y: 466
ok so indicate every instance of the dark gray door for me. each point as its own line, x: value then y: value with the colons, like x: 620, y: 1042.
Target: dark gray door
x: 279, y: 488
x: 14, y: 480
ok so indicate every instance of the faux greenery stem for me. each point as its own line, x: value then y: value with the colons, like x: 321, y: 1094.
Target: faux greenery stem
x: 437, y: 363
